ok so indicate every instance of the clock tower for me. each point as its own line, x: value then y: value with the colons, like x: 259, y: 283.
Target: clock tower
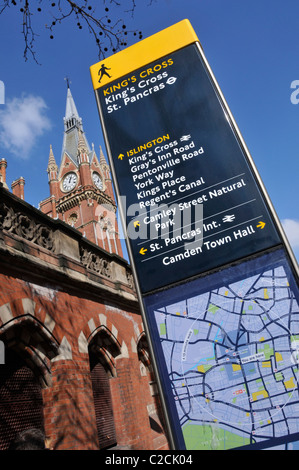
x: 81, y: 191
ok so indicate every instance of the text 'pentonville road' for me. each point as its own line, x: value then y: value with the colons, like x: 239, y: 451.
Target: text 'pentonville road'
x: 156, y: 180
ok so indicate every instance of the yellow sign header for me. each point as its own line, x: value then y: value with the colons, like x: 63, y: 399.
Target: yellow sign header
x: 144, y: 52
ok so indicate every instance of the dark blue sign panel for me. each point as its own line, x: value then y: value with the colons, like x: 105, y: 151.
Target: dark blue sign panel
x: 188, y: 192
x: 228, y: 349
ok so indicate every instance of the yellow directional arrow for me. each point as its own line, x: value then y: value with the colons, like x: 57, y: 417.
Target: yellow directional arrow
x: 142, y: 251
x: 120, y: 156
x: 137, y: 224
x: 261, y: 225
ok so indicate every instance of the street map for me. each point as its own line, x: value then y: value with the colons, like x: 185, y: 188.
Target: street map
x: 232, y: 354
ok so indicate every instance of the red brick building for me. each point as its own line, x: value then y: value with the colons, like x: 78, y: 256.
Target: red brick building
x: 76, y: 363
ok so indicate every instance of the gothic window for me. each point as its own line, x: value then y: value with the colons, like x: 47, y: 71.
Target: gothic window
x: 21, y: 404
x: 102, y: 403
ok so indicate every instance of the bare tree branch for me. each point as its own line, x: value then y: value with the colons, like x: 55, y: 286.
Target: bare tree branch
x: 110, y: 35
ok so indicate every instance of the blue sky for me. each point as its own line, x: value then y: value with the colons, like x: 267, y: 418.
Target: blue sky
x: 252, y: 47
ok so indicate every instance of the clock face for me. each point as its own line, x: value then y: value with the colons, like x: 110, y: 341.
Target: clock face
x: 69, y: 181
x: 97, y: 180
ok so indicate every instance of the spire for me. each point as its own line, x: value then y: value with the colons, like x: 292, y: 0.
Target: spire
x: 72, y: 129
x: 51, y: 162
x: 82, y: 149
x: 71, y: 117
x: 102, y: 157
x: 81, y: 141
x: 52, y: 166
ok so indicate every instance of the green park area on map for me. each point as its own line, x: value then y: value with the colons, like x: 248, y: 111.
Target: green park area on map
x: 205, y: 438
x: 232, y: 359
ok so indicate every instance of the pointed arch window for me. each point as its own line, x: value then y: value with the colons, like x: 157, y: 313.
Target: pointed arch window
x: 29, y: 347
x: 103, y: 348
x: 102, y: 403
x: 21, y: 403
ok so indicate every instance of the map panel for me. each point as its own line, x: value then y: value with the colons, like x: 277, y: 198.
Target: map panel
x: 231, y: 347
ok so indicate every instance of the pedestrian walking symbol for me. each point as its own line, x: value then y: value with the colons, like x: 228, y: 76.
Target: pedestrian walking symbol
x: 103, y: 71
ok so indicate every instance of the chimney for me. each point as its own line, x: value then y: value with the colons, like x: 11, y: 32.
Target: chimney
x: 3, y: 166
x: 17, y: 187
